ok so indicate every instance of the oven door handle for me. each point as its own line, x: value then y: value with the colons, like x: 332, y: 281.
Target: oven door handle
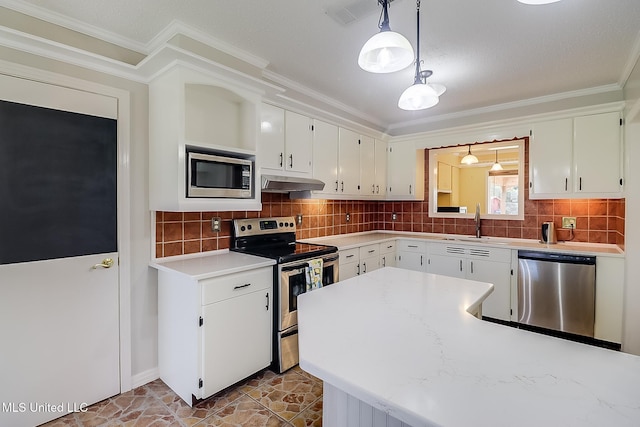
x: 303, y: 265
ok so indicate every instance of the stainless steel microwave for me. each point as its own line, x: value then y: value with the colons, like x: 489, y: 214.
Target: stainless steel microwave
x: 218, y: 175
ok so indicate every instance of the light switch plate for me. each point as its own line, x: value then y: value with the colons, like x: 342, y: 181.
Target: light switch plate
x: 569, y: 222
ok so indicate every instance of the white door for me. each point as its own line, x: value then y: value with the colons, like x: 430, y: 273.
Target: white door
x: 59, y: 316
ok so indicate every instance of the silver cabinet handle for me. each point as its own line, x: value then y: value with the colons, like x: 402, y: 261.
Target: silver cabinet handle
x: 106, y: 263
x: 471, y: 267
x: 336, y: 186
x: 267, y: 306
x: 241, y: 286
x: 372, y: 251
x: 291, y: 160
x: 365, y: 267
x: 358, y: 267
x: 460, y: 265
x: 281, y: 159
x: 420, y: 259
x: 342, y: 186
x: 412, y: 246
x: 384, y: 261
x: 409, y: 188
x: 350, y: 256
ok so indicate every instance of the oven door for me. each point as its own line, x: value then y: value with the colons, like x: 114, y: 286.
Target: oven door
x: 293, y: 282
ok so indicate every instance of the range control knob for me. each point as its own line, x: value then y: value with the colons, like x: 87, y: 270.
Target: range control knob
x: 290, y: 224
x: 249, y: 226
x: 281, y: 224
x: 242, y: 228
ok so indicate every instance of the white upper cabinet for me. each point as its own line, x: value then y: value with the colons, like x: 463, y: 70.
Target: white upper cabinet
x: 298, y: 142
x: 597, y: 149
x: 271, y: 144
x: 348, y: 163
x: 381, y: 168
x: 367, y: 166
x: 405, y: 173
x: 576, y: 157
x: 286, y: 141
x: 325, y: 156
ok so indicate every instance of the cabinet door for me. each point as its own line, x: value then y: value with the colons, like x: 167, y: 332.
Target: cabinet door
x: 388, y: 260
x: 325, y: 156
x: 447, y: 265
x: 369, y: 264
x: 298, y: 142
x: 349, y: 162
x: 405, y: 172
x: 444, y: 177
x: 381, y: 168
x: 550, y: 158
x: 609, y: 298
x: 498, y: 304
x: 597, y: 153
x: 236, y: 339
x: 271, y: 145
x: 367, y: 166
x: 411, y: 261
x: 349, y: 270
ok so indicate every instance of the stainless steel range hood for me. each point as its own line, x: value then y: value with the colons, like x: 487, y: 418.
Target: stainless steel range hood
x: 286, y: 184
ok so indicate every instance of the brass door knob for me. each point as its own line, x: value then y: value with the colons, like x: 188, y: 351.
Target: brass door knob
x: 106, y: 263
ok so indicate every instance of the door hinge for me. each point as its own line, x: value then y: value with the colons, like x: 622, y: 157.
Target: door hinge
x: 530, y: 132
x: 200, y: 383
x: 512, y: 271
x: 511, y: 311
x: 621, y: 181
x: 621, y: 122
x: 359, y: 142
x: 312, y: 128
x: 200, y: 321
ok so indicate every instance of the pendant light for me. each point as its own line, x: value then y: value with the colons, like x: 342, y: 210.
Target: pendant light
x: 420, y: 95
x: 386, y: 51
x: 469, y: 159
x: 496, y: 166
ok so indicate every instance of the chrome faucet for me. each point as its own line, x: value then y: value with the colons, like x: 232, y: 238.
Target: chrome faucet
x: 477, y: 220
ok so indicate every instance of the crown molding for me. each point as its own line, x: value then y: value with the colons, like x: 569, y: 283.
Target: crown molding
x: 277, y: 78
x: 73, y: 24
x: 633, y: 59
x: 508, y: 106
x: 177, y: 27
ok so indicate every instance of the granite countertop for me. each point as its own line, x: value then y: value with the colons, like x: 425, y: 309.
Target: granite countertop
x: 415, y: 352
x: 352, y: 240
x: 212, y: 264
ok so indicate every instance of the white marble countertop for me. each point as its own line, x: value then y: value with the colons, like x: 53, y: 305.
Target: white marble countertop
x: 212, y: 264
x: 403, y: 342
x: 352, y: 240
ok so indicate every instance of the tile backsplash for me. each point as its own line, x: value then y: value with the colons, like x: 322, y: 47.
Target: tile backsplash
x: 597, y: 221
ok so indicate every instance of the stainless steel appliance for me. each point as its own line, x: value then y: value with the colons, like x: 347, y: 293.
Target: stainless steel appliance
x: 548, y: 231
x: 218, y: 174
x: 275, y: 238
x: 557, y: 291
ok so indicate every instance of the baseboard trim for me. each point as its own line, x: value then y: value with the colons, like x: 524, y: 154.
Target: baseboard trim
x: 145, y: 377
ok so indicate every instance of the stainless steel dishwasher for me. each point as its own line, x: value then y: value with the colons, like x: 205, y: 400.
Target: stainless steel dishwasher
x: 557, y: 291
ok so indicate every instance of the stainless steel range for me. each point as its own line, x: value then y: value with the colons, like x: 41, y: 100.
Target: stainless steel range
x: 275, y: 238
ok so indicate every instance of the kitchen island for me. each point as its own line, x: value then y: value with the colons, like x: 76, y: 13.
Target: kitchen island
x: 398, y: 346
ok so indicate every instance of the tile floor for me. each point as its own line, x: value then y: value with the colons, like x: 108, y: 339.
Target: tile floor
x: 293, y: 399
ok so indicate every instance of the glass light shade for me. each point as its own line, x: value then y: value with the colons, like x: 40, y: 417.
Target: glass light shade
x: 469, y: 159
x: 496, y: 167
x: 418, y: 97
x: 538, y: 1
x: 440, y: 89
x: 386, y: 52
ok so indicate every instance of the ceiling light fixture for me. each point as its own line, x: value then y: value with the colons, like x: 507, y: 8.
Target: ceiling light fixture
x: 538, y: 1
x: 386, y: 51
x: 420, y: 95
x: 469, y: 159
x: 496, y: 166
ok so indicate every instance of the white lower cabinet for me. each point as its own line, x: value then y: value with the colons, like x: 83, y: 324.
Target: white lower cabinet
x: 412, y: 255
x: 388, y: 254
x: 609, y: 298
x: 369, y: 258
x: 213, y: 332
x: 349, y: 263
x: 484, y: 264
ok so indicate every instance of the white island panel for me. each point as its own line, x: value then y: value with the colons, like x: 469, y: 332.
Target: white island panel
x: 403, y: 342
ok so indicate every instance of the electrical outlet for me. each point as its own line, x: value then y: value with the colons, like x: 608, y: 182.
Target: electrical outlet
x: 348, y: 217
x: 299, y: 219
x: 569, y: 222
x: 394, y: 216
x: 216, y: 224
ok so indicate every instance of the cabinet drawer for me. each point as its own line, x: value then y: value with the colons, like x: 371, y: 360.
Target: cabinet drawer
x: 387, y: 247
x: 369, y: 251
x: 236, y: 284
x: 349, y: 255
x: 411, y: 246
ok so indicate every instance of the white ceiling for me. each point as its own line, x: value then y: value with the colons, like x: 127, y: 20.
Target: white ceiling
x: 486, y: 52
